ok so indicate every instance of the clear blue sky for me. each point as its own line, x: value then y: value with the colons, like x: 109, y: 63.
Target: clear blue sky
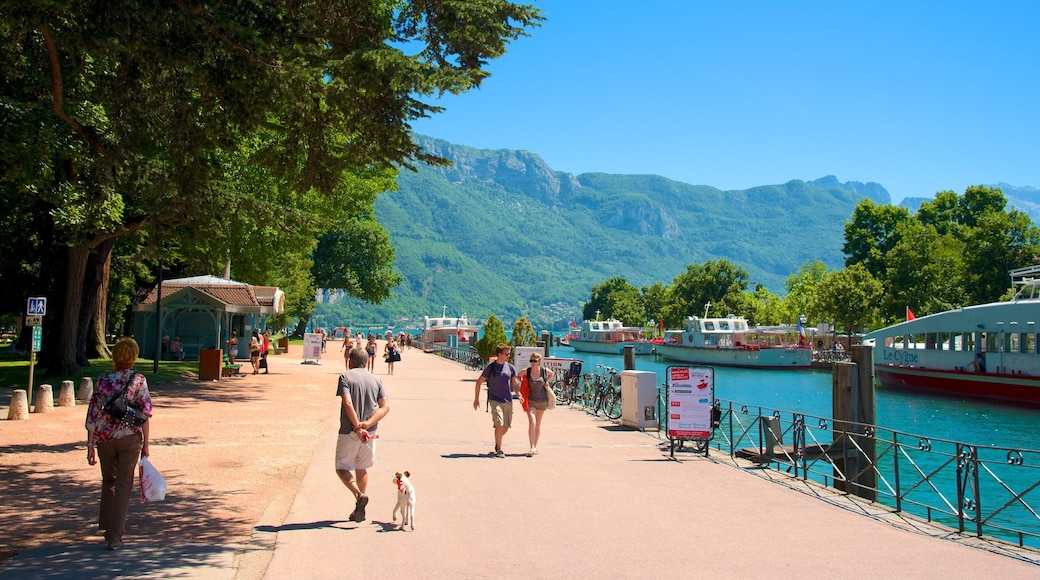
x: 917, y: 96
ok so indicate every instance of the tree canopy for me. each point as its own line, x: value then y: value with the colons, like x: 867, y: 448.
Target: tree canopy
x: 178, y: 119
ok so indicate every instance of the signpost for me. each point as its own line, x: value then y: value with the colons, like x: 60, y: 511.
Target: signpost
x: 35, y: 309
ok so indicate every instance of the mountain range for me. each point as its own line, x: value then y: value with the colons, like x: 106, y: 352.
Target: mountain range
x: 501, y: 232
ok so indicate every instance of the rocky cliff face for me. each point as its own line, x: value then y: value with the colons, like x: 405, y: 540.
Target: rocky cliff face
x: 516, y: 172
x: 874, y: 191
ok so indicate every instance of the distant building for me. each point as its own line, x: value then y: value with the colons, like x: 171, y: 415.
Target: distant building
x: 203, y: 310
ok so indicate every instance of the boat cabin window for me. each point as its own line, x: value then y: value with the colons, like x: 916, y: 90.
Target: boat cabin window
x: 929, y: 341
x: 1029, y: 342
x: 709, y: 325
x: 898, y: 341
x: 917, y: 341
x: 1012, y: 342
x: 992, y: 340
x: 944, y: 341
x: 724, y: 325
x: 968, y: 342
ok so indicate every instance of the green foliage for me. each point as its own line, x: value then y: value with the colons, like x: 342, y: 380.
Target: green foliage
x: 618, y: 299
x: 717, y: 282
x: 801, y: 290
x: 849, y: 297
x: 871, y: 233
x: 523, y: 334
x: 957, y: 250
x: 494, y: 335
x: 217, y: 128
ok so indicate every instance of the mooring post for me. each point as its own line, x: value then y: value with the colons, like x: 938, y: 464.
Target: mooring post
x: 853, y: 403
x: 630, y: 357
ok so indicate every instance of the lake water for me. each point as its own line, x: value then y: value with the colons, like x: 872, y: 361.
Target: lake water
x: 809, y: 392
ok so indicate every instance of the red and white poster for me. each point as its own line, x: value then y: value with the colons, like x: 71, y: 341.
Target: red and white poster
x: 691, y: 392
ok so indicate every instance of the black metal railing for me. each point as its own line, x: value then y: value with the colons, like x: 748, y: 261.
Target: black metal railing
x: 976, y: 489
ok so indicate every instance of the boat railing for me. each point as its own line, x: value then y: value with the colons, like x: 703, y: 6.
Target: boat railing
x: 831, y: 356
x: 985, y: 491
x: 461, y: 353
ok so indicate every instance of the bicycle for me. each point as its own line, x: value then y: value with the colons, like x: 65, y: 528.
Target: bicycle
x: 566, y: 389
x: 605, y: 393
x: 475, y: 363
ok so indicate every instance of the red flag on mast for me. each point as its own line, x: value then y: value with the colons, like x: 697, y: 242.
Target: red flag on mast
x: 909, y: 314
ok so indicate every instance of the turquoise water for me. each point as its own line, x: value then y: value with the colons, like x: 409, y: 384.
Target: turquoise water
x: 809, y: 392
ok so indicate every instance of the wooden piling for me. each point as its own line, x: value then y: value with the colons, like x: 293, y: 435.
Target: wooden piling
x: 630, y: 358
x: 853, y: 406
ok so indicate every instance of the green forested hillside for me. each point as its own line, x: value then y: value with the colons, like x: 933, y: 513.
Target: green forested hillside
x: 502, y: 233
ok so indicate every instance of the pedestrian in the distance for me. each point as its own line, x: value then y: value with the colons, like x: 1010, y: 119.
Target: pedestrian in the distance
x: 370, y: 349
x: 265, y: 348
x: 254, y: 351
x: 363, y: 403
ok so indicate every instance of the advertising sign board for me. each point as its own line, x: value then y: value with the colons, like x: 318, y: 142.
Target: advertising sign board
x: 691, y: 393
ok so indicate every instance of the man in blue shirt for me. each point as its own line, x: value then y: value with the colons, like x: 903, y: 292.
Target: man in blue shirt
x: 502, y: 382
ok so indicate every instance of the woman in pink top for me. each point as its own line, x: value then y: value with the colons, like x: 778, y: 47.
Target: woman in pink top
x: 118, y: 446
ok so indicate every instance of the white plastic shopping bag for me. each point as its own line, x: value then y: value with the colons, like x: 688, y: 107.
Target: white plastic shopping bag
x: 153, y: 486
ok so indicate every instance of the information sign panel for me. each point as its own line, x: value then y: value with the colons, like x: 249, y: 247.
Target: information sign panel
x: 312, y: 346
x: 34, y: 320
x: 691, y: 393
x: 37, y: 338
x: 36, y: 306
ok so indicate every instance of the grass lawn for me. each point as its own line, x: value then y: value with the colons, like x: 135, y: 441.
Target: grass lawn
x: 14, y: 372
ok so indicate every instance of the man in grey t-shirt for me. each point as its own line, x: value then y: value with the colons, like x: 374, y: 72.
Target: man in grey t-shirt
x: 363, y: 404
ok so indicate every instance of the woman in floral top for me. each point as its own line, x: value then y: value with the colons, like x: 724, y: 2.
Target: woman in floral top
x: 117, y: 446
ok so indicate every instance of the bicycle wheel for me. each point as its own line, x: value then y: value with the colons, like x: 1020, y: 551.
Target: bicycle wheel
x: 560, y: 390
x: 585, y: 392
x: 612, y: 405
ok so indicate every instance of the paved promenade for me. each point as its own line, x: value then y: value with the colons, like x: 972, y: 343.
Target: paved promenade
x: 599, y: 501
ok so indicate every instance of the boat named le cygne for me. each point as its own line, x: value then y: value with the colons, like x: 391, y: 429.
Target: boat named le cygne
x: 985, y: 351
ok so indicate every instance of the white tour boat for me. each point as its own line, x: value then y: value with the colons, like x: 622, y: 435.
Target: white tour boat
x: 984, y: 351
x: 609, y: 337
x: 439, y: 330
x: 731, y: 342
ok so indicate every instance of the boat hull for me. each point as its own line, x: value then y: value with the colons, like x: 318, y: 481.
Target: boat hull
x: 602, y: 347
x: 768, y: 358
x: 964, y: 383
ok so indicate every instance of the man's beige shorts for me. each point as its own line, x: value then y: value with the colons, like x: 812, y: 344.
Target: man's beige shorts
x: 502, y: 414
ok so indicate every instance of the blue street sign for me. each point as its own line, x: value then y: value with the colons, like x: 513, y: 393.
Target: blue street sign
x: 37, y: 307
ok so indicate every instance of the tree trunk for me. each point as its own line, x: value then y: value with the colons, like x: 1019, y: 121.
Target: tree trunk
x: 65, y: 359
x: 97, y: 345
x: 94, y: 277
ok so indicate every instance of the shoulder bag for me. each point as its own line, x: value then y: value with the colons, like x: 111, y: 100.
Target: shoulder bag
x: 122, y: 411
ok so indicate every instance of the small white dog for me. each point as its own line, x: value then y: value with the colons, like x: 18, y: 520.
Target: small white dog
x: 405, y: 500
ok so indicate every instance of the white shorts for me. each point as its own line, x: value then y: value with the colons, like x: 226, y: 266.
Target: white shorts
x: 352, y: 454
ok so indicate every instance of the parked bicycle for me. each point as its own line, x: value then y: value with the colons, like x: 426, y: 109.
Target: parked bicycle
x: 475, y: 363
x: 603, y: 392
x: 567, y: 389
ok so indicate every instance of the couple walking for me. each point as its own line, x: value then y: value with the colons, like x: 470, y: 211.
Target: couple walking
x: 532, y: 388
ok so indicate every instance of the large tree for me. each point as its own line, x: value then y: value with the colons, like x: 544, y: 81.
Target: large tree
x: 120, y: 113
x: 615, y: 298
x: 718, y: 283
x: 850, y: 297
